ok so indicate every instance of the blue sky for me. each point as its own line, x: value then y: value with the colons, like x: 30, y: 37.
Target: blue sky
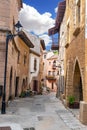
x: 38, y: 16
x: 44, y: 5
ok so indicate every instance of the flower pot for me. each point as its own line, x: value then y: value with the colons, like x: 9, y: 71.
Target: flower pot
x: 76, y: 105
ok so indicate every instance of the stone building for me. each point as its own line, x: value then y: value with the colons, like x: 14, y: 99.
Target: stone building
x: 21, y: 75
x: 46, y: 55
x: 61, y: 56
x: 76, y: 54
x: 18, y: 51
x: 60, y: 28
x: 41, y: 67
x: 51, y: 72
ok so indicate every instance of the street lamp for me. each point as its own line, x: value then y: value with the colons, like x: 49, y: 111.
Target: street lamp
x: 10, y: 36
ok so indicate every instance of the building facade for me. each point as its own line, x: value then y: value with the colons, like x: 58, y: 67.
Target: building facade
x: 46, y: 55
x: 60, y: 28
x: 7, y: 20
x: 41, y: 67
x: 18, y: 51
x: 76, y: 54
x: 52, y: 73
x: 61, y: 56
x: 36, y: 63
x: 75, y: 65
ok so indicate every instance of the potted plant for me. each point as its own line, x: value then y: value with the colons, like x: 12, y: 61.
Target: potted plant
x: 71, y: 100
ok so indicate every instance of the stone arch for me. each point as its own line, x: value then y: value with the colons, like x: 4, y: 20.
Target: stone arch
x: 77, y: 81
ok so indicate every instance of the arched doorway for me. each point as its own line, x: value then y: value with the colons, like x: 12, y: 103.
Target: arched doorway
x: 77, y: 83
x: 10, y: 85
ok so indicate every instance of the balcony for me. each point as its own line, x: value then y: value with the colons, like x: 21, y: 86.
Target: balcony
x: 51, y: 77
x: 54, y: 45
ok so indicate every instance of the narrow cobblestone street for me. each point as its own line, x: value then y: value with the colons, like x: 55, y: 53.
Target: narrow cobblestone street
x: 41, y: 112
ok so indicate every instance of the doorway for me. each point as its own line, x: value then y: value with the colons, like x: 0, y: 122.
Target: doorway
x: 35, y: 85
x: 16, y: 87
x: 77, y: 83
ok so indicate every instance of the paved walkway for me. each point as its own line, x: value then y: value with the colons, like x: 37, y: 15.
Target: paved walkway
x: 41, y: 112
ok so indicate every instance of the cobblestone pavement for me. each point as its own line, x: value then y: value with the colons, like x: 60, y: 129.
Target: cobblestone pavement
x: 41, y: 112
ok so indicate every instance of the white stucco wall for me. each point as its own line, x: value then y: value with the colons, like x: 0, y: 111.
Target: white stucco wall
x: 32, y: 72
x: 35, y: 52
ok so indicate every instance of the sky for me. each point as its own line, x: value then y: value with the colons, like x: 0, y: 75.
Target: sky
x: 37, y: 16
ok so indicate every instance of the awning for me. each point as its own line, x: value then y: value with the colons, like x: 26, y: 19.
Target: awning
x: 59, y: 18
x: 52, y: 31
x: 60, y: 13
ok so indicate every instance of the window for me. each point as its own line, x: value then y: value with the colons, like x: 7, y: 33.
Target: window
x: 35, y: 64
x: 49, y: 63
x: 49, y: 72
x: 25, y: 59
x: 54, y: 64
x: 44, y: 56
x: 53, y: 73
x: 58, y: 73
x: 78, y: 10
x: 54, y: 61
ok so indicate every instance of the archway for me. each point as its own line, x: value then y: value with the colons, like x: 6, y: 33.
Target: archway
x: 77, y: 83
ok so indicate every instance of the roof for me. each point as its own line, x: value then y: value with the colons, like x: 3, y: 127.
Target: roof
x: 36, y: 42
x: 24, y: 36
x: 60, y: 13
x: 59, y: 18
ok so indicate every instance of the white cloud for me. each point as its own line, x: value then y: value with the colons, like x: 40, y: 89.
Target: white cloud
x: 56, y: 9
x: 46, y: 38
x: 35, y: 22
